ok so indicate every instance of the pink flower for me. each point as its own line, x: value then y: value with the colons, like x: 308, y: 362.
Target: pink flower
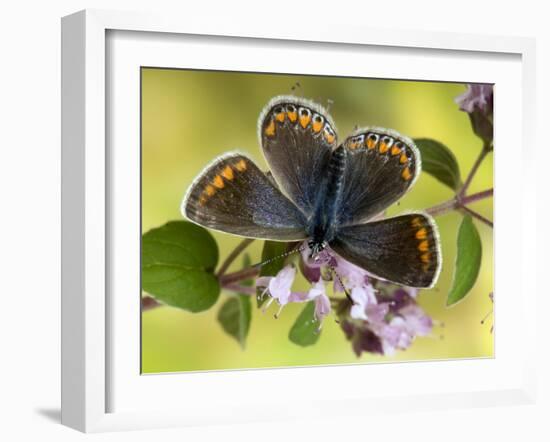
x: 322, y: 302
x: 279, y: 288
x: 477, y: 101
x: 383, y: 317
x: 363, y: 297
x: 384, y: 320
x: 477, y: 96
x: 417, y: 323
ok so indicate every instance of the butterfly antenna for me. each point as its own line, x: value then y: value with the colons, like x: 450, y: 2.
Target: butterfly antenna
x: 281, y: 256
x: 346, y: 291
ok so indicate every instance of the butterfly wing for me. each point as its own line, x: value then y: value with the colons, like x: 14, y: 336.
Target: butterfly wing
x: 404, y: 249
x: 234, y: 196
x: 297, y: 137
x: 381, y: 167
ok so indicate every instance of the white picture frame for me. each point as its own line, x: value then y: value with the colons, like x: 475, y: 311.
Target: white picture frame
x: 92, y: 371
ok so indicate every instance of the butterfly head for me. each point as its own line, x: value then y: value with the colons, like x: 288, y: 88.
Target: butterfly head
x: 316, y: 248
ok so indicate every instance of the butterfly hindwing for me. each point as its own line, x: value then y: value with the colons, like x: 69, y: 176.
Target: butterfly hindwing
x: 404, y: 249
x: 297, y: 137
x: 382, y: 166
x: 234, y: 196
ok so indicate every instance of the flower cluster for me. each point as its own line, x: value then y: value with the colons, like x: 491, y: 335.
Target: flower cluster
x: 381, y: 317
x: 388, y: 320
x: 477, y: 101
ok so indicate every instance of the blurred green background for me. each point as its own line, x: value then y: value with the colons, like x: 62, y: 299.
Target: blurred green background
x: 190, y: 117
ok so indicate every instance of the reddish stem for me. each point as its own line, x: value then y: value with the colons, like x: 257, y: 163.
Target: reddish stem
x: 484, y: 152
x: 458, y: 203
x: 233, y: 255
x: 477, y: 216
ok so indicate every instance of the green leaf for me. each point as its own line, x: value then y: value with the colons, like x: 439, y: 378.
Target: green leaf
x: 468, y: 261
x: 180, y: 243
x: 305, y: 330
x: 271, y: 249
x: 235, y: 316
x: 190, y: 289
x: 439, y: 161
x: 177, y: 264
x: 236, y: 313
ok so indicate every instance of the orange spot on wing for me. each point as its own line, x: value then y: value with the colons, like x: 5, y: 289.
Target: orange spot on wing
x: 406, y: 174
x: 280, y: 117
x: 416, y: 222
x: 371, y: 142
x: 241, y: 166
x: 422, y: 233
x: 292, y: 116
x: 317, y: 126
x: 227, y: 173
x: 270, y: 129
x: 218, y: 182
x: 424, y: 246
x: 395, y: 150
x: 304, y: 120
x: 403, y: 158
x: 210, y: 190
x: 383, y: 147
x: 329, y: 137
x: 425, y: 257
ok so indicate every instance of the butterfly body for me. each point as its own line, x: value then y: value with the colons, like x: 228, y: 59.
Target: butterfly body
x: 323, y: 224
x: 324, y: 192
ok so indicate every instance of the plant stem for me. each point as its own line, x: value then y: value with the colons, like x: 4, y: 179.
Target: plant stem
x: 240, y: 275
x: 233, y: 255
x: 484, y: 152
x: 442, y: 208
x: 477, y: 216
x: 248, y: 290
x: 476, y: 196
x: 458, y: 202
x: 148, y: 303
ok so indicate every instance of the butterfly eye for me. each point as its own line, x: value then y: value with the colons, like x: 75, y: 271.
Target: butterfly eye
x: 317, y: 123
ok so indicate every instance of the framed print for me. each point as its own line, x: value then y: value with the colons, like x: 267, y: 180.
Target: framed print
x: 266, y: 213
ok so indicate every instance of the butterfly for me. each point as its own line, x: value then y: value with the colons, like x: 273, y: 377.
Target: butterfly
x: 322, y: 191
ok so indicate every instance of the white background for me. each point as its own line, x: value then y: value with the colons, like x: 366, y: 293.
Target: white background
x: 30, y: 252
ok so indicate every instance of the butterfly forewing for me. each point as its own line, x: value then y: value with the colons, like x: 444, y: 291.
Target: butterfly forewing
x: 234, y: 196
x: 297, y: 137
x: 382, y: 165
x: 404, y: 249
